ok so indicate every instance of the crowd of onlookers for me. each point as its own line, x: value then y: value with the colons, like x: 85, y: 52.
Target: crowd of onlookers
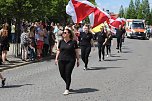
x: 36, y: 39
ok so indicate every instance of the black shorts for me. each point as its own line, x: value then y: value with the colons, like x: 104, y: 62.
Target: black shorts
x: 4, y: 48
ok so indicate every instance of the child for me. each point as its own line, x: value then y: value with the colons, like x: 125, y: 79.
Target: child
x: 108, y: 43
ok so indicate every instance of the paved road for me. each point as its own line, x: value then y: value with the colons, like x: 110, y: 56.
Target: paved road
x: 125, y: 76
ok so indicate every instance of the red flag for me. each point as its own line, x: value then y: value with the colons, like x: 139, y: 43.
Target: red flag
x: 79, y: 9
x: 123, y: 21
x: 115, y: 23
x: 98, y: 17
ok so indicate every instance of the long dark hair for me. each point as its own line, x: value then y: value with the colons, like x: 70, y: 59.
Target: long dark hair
x: 71, y: 33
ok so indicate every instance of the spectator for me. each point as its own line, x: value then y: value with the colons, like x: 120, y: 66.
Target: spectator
x: 24, y: 44
x: 4, y: 42
x: 32, y: 44
x: 13, y: 34
x: 51, y: 39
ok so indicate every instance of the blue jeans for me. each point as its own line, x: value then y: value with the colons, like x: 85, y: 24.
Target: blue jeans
x: 13, y: 37
x: 32, y: 54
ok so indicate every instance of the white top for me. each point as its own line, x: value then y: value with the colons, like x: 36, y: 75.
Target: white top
x: 13, y: 29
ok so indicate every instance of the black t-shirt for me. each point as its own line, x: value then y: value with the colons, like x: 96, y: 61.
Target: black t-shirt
x: 109, y: 40
x: 119, y: 33
x: 67, y: 50
x: 101, y: 37
x: 85, y: 39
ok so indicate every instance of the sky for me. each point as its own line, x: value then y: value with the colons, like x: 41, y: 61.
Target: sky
x: 114, y: 5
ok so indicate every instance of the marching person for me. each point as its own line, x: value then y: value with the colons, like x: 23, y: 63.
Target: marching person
x: 86, y: 41
x: 101, y: 38
x: 67, y: 55
x: 108, y: 43
x: 123, y: 35
x: 119, y: 34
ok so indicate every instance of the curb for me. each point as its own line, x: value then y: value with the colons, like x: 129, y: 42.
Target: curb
x: 15, y: 66
x: 21, y: 64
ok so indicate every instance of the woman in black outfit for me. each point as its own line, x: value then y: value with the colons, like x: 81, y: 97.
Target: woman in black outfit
x: 119, y: 34
x: 86, y: 40
x: 67, y: 55
x: 102, y: 37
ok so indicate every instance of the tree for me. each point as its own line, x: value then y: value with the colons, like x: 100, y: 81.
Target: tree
x: 140, y: 12
x: 150, y: 20
x: 131, y: 13
x: 121, y: 12
x: 137, y: 5
x: 146, y: 10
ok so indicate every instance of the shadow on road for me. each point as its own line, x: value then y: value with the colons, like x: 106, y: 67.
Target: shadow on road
x: 83, y: 90
x: 115, y: 56
x: 15, y: 86
x: 102, y: 68
x: 126, y: 51
x: 114, y: 59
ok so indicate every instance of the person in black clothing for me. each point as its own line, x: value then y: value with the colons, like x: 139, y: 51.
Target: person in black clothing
x: 86, y: 40
x: 101, y: 38
x: 119, y: 34
x: 108, y: 43
x: 66, y: 57
x: 123, y: 36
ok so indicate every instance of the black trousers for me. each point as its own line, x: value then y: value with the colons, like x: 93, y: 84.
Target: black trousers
x: 66, y: 68
x: 119, y: 43
x: 45, y: 50
x: 101, y: 49
x: 85, y: 52
x: 108, y: 49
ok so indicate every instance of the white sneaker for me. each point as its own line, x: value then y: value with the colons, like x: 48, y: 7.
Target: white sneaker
x: 107, y: 56
x: 85, y: 68
x: 66, y: 92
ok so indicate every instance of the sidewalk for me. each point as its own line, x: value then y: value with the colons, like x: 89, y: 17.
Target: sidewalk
x: 16, y: 61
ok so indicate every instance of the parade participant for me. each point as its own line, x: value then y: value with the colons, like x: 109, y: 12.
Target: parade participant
x: 67, y: 55
x: 119, y: 34
x: 123, y: 35
x: 108, y: 43
x: 86, y: 40
x: 101, y: 38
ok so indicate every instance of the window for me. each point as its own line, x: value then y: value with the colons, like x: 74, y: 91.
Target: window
x: 138, y: 25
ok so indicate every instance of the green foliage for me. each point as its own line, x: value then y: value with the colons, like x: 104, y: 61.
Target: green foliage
x: 140, y: 14
x: 121, y: 12
x: 139, y: 10
x: 33, y: 9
